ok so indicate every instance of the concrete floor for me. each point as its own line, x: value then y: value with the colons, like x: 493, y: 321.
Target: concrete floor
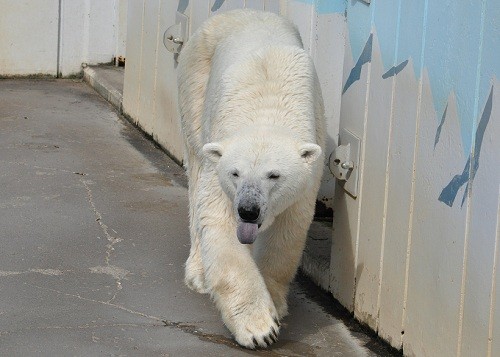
x: 93, y: 236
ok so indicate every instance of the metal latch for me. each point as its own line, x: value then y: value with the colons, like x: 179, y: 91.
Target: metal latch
x: 340, y: 163
x: 344, y: 161
x: 176, y: 35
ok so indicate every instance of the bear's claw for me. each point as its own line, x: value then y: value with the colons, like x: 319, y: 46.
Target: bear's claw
x: 257, y: 340
x: 266, y: 341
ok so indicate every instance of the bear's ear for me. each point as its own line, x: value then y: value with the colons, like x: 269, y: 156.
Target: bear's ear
x: 212, y: 151
x: 309, y: 152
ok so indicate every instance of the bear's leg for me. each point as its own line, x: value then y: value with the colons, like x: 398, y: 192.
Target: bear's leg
x: 231, y: 274
x: 237, y: 287
x: 194, y: 276
x: 279, y: 250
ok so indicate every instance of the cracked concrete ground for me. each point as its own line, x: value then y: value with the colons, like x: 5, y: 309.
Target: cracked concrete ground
x: 94, y: 234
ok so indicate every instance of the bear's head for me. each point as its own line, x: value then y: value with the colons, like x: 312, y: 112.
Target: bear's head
x: 263, y: 175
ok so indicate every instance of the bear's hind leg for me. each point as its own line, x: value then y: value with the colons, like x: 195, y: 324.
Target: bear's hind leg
x: 194, y: 276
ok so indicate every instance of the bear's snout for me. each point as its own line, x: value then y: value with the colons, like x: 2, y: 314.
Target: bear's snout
x: 249, y: 214
x: 249, y: 202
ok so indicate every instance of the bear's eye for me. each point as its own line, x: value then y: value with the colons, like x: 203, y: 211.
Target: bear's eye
x: 235, y: 174
x: 273, y: 176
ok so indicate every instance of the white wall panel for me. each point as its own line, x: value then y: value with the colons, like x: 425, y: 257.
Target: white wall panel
x: 372, y: 190
x: 150, y: 45
x: 345, y: 266
x: 398, y: 201
x: 217, y: 6
x: 166, y: 128
x: 480, y: 333
x: 101, y: 31
x: 132, y: 82
x: 92, y: 32
x: 482, y: 229
x: 40, y: 37
x: 28, y: 37
x: 375, y: 165
x: 437, y: 245
x: 399, y: 180
x: 200, y: 11
x: 438, y: 257
x: 494, y: 320
x: 343, y: 262
x: 74, y: 43
x: 254, y: 4
x: 233, y: 4
x: 327, y: 51
x: 302, y: 14
x: 121, y: 7
x: 272, y: 6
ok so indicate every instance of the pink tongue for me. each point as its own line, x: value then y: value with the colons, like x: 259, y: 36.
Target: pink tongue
x: 247, y: 232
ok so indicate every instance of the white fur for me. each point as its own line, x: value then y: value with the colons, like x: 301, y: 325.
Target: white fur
x: 253, y: 125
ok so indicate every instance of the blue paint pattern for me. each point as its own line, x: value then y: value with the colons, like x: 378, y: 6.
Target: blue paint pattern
x: 440, y: 127
x: 457, y: 46
x: 217, y: 4
x: 395, y: 70
x: 365, y: 57
x: 449, y: 193
x: 182, y: 5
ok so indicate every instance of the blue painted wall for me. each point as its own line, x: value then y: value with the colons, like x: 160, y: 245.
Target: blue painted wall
x: 459, y: 46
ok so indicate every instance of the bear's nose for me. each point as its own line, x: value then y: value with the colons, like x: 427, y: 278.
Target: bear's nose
x: 249, y: 214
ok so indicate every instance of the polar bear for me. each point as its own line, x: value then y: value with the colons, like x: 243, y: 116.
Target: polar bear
x: 253, y: 126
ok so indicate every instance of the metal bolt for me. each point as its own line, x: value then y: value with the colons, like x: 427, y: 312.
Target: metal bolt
x: 347, y: 165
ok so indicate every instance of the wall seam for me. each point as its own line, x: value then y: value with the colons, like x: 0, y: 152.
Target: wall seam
x: 413, y: 183
x: 387, y: 168
x: 493, y: 280
x: 140, y: 61
x: 86, y: 32
x: 116, y: 9
x: 59, y: 41
x: 362, y: 165
x: 469, y: 184
x: 156, y: 67
x: 311, y: 36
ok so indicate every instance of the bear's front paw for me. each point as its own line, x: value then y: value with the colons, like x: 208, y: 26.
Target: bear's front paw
x: 259, y: 328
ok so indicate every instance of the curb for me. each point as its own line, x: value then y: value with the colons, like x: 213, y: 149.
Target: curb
x: 103, y: 88
x: 316, y: 256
